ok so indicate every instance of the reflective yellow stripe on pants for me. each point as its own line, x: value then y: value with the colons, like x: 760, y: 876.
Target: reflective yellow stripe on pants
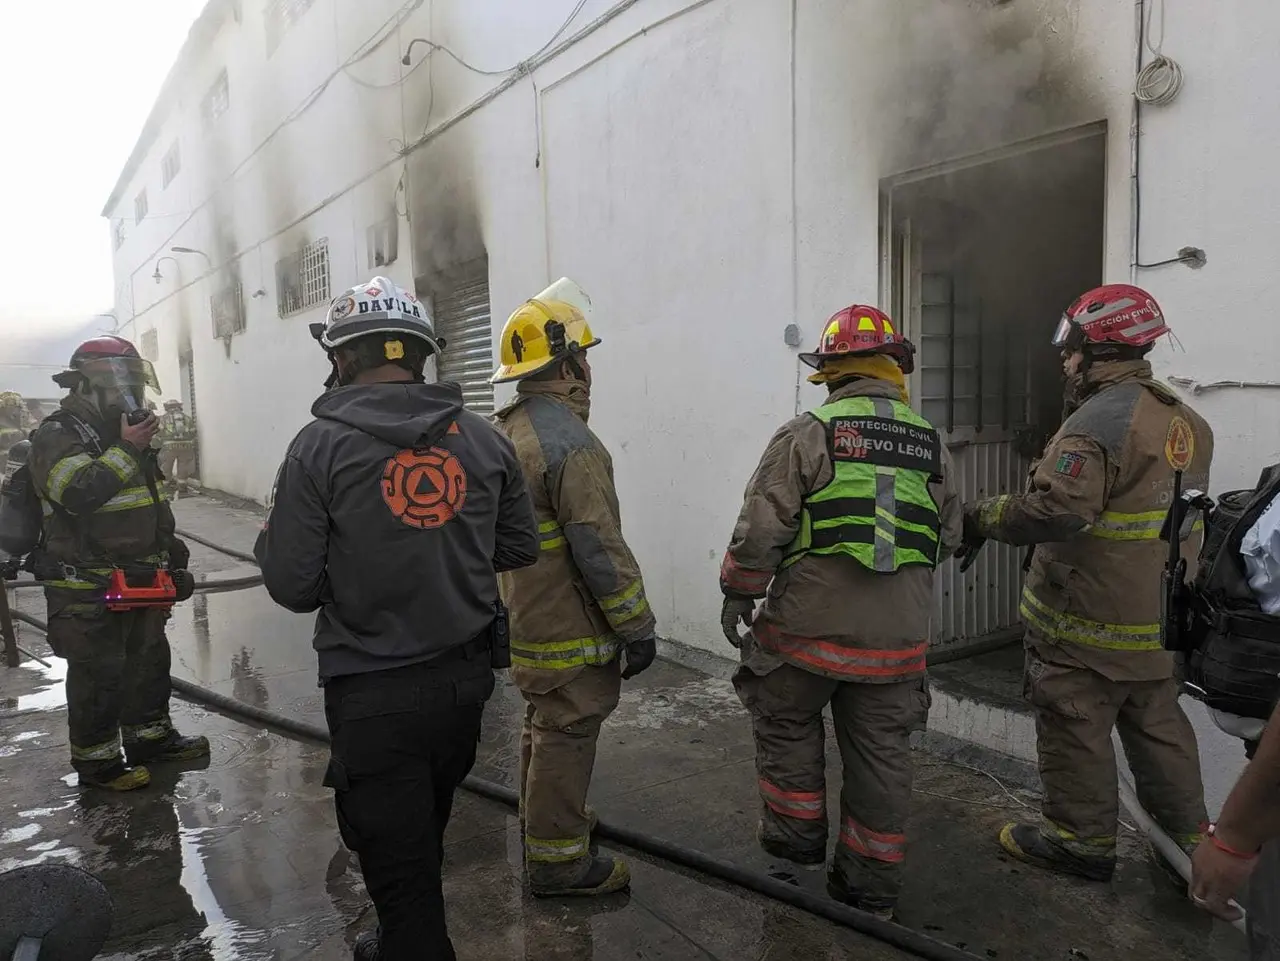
x: 1056, y: 625
x: 553, y: 851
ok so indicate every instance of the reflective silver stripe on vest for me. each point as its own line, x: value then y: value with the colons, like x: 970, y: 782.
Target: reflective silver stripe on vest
x: 886, y: 501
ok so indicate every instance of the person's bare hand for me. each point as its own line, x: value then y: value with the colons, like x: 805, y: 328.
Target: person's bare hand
x: 1216, y: 878
x: 139, y: 435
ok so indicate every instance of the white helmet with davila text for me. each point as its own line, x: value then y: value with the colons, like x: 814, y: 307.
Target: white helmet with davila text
x: 378, y: 307
x: 374, y: 324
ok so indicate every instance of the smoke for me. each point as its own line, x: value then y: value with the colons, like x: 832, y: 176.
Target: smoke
x: 960, y: 76
x: 444, y: 211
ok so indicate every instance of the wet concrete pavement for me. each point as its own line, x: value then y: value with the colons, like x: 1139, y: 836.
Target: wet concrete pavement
x: 242, y: 860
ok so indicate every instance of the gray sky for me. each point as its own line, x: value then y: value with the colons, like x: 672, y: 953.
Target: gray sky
x: 79, y: 78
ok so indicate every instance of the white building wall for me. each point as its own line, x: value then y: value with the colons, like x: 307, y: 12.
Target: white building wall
x: 709, y: 171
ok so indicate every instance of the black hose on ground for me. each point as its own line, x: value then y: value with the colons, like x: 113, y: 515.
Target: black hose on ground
x: 229, y: 551
x: 905, y: 939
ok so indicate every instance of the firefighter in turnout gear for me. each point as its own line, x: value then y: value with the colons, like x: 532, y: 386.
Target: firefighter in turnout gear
x: 851, y: 509
x: 95, y: 471
x: 178, y: 455
x: 1092, y: 511
x: 580, y: 622
x: 12, y: 422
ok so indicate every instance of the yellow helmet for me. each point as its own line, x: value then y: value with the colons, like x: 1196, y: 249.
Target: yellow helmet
x: 10, y: 399
x: 549, y: 327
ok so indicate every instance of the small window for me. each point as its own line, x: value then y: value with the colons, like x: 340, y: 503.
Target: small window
x: 279, y: 16
x: 151, y: 344
x: 227, y: 310
x: 302, y: 278
x: 216, y: 101
x: 171, y: 164
x: 383, y: 241
x: 139, y: 207
x: 117, y: 233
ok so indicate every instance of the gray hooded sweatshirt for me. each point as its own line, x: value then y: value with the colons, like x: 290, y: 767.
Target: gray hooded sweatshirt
x: 391, y: 514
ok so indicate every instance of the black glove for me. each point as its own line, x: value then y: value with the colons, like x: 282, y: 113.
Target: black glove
x: 179, y: 555
x: 185, y: 584
x: 638, y: 655
x: 972, y: 542
x: 736, y: 610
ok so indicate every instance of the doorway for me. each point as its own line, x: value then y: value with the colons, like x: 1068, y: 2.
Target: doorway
x: 979, y: 258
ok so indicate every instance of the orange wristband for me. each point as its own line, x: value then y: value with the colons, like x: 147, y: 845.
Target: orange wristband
x: 1226, y: 848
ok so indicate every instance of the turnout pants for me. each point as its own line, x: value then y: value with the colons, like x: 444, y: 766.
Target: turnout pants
x: 117, y: 681
x: 1076, y: 710
x: 873, y: 725
x: 557, y: 756
x: 402, y: 742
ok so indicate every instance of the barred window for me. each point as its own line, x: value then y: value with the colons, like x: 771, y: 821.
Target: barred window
x: 140, y: 206
x: 302, y: 278
x: 279, y: 16
x: 151, y: 344
x: 171, y: 164
x: 117, y: 233
x: 217, y: 100
x: 227, y: 310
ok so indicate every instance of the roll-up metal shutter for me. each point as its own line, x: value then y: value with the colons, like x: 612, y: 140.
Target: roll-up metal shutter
x: 462, y: 319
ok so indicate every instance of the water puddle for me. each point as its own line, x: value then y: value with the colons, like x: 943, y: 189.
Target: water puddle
x: 17, y: 835
x: 226, y: 939
x: 50, y: 698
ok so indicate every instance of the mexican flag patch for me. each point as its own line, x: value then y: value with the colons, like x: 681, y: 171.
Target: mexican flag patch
x: 1069, y: 465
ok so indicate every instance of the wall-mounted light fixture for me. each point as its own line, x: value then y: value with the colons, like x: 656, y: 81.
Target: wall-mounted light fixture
x: 157, y: 276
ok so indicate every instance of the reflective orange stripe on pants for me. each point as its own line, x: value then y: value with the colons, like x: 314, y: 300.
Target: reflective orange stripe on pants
x: 866, y: 843
x: 851, y: 662
x: 802, y: 805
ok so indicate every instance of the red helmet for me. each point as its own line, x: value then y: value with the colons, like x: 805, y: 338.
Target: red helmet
x: 109, y: 363
x: 860, y: 329
x: 1118, y: 314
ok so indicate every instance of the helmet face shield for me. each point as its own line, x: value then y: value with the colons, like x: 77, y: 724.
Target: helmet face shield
x: 1063, y: 334
x: 121, y: 382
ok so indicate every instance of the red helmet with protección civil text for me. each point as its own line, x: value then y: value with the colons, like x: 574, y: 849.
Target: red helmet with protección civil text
x: 1118, y: 315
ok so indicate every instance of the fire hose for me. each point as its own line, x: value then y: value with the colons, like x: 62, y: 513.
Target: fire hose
x: 905, y: 939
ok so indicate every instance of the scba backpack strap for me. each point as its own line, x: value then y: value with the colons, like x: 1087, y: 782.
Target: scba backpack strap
x: 1234, y: 661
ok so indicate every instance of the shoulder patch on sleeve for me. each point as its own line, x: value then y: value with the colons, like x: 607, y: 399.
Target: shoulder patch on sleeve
x: 1069, y: 464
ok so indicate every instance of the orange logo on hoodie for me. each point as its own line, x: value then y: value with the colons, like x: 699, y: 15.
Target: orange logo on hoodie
x: 425, y: 487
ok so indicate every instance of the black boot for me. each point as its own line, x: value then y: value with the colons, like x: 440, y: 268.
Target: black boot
x: 1027, y: 842
x: 593, y: 877
x: 116, y: 777
x: 841, y: 890
x: 174, y: 747
x: 368, y: 948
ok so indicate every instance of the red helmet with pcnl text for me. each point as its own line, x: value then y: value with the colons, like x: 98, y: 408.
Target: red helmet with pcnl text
x: 1117, y: 314
x: 860, y: 329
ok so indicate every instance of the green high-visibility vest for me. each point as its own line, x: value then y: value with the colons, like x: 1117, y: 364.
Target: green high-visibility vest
x: 878, y: 507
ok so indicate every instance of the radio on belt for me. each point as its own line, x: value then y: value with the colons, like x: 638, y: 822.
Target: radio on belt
x: 122, y: 596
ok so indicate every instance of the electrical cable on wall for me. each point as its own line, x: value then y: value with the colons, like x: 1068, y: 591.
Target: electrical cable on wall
x: 1160, y: 81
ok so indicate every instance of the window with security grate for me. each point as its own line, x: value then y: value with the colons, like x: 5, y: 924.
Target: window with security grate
x: 279, y: 16
x: 302, y: 278
x: 227, y: 310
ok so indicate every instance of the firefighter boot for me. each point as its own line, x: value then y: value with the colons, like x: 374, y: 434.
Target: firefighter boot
x: 811, y: 860
x: 115, y: 777
x: 588, y: 877
x: 368, y: 947
x: 840, y: 889
x: 171, y: 747
x: 1027, y: 842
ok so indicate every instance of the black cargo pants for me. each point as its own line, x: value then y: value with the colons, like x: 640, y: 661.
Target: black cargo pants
x: 403, y: 740
x: 117, y: 679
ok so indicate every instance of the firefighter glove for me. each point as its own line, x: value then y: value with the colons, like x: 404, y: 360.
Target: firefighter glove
x: 184, y: 583
x: 179, y: 555
x: 638, y: 655
x: 735, y: 610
